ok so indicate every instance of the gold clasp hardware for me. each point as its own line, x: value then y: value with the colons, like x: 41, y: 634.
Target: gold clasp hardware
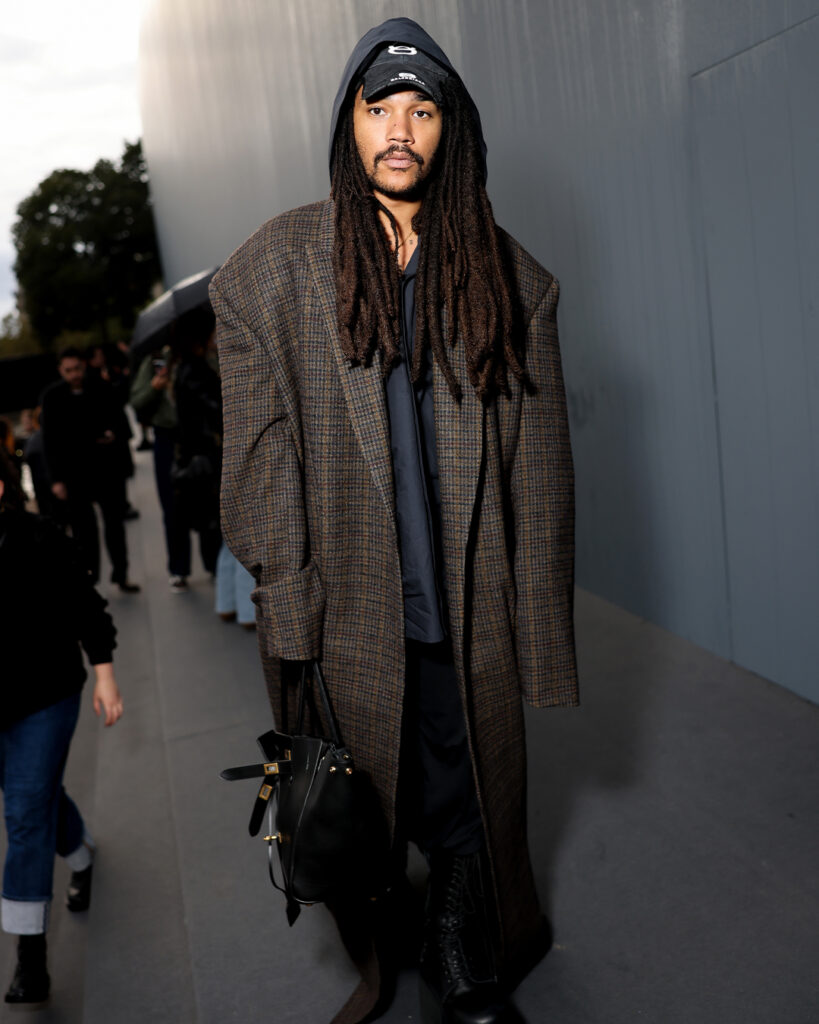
x: 265, y: 791
x: 272, y: 767
x: 277, y: 836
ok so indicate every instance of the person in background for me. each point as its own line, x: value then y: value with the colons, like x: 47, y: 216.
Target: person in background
x: 186, y: 454
x: 234, y: 585
x: 198, y: 452
x: 42, y: 676
x: 143, y: 420
x: 107, y: 364
x: 34, y: 457
x: 7, y: 439
x: 80, y: 421
x: 152, y: 400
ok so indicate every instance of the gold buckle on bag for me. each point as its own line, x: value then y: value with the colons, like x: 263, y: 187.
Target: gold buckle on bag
x: 272, y: 767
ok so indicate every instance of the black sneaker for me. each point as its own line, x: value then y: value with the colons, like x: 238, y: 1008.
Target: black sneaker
x: 78, y: 895
x: 129, y: 588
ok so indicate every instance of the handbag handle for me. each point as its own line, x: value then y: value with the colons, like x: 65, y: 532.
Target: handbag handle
x: 305, y: 695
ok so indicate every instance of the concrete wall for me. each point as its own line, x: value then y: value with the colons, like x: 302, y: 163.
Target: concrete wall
x: 660, y: 157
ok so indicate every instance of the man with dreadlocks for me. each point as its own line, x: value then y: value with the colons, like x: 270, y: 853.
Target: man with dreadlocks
x: 398, y: 478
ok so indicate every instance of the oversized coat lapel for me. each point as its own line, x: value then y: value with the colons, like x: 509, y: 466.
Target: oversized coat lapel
x: 363, y: 385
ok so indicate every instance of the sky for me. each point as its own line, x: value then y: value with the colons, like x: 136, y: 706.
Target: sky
x: 68, y: 96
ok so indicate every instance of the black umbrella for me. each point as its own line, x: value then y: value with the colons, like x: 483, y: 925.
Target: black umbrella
x: 153, y: 326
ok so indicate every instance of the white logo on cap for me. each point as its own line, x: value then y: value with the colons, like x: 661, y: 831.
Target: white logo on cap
x: 402, y: 51
x: 408, y: 74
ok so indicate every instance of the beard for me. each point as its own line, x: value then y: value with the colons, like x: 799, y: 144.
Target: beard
x: 414, y: 188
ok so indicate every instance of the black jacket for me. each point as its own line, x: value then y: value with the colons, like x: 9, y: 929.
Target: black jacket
x: 72, y: 426
x: 48, y: 610
x: 198, y: 460
x: 198, y: 396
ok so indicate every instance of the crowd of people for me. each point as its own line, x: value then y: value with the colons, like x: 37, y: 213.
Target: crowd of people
x: 77, y: 449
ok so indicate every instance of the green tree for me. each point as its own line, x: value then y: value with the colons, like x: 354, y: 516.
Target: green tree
x: 87, y: 256
x: 17, y: 337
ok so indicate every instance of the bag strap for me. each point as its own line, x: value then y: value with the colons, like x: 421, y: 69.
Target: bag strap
x: 306, y: 696
x: 302, y: 699
x: 311, y: 679
x: 255, y: 771
x: 282, y: 724
x: 293, y: 909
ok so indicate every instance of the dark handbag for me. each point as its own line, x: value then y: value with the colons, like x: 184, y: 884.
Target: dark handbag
x: 329, y: 828
x: 196, y: 491
x: 197, y: 469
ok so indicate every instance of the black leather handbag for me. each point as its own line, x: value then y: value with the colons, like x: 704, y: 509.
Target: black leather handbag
x: 328, y: 824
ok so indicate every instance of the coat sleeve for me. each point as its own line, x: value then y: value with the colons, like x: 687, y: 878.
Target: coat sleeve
x: 263, y: 514
x: 542, y: 492
x: 82, y: 606
x: 145, y: 399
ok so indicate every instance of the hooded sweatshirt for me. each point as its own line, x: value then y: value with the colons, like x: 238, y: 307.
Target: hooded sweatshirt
x: 410, y: 407
x: 403, y: 31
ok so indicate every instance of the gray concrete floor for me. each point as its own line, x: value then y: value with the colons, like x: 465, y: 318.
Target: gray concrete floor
x: 674, y: 827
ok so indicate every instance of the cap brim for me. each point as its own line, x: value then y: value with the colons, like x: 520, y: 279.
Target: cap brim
x: 383, y: 85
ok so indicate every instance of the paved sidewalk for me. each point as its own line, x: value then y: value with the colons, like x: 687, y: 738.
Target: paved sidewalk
x: 674, y: 827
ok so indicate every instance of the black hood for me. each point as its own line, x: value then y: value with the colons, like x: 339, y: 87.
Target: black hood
x: 396, y: 30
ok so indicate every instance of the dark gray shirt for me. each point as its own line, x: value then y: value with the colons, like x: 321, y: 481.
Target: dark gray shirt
x: 417, y: 488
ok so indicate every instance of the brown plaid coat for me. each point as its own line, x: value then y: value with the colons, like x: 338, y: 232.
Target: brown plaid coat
x: 308, y: 507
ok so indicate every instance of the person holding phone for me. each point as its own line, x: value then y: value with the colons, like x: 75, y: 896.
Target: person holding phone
x: 152, y: 398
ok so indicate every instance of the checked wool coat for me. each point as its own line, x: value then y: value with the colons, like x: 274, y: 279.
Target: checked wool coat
x: 308, y: 507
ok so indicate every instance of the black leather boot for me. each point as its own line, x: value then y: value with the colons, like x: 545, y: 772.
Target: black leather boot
x: 458, y: 979
x: 78, y: 895
x: 31, y: 983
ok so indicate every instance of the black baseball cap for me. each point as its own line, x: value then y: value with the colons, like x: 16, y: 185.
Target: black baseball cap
x: 399, y: 66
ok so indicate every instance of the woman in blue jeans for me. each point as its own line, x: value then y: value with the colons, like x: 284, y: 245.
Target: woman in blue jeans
x: 49, y: 612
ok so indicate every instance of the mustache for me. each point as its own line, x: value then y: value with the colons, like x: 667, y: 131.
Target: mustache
x: 394, y: 150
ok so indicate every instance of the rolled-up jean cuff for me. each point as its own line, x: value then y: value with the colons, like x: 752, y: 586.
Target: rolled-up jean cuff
x: 24, y: 917
x: 81, y: 858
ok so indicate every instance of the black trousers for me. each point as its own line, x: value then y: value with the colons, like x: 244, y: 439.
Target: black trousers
x: 177, y: 529
x: 437, y: 800
x: 80, y: 516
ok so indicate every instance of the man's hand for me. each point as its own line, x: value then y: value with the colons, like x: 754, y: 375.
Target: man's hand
x: 160, y: 379
x: 60, y: 491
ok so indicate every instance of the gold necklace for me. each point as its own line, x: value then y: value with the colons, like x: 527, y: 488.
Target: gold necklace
x: 406, y: 240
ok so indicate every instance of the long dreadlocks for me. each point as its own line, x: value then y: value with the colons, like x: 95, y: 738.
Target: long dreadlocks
x: 462, y: 265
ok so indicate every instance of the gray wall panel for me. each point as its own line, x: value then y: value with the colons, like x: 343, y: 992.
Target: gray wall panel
x: 587, y: 108
x: 758, y: 226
